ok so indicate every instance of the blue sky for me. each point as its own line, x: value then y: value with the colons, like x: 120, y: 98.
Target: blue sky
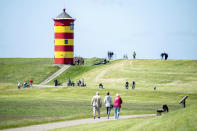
x: 147, y: 26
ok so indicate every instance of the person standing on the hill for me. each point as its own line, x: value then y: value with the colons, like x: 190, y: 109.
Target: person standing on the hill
x: 166, y: 56
x: 55, y: 82
x: 96, y: 103
x: 162, y: 55
x: 133, y: 85
x: 31, y: 82
x: 108, y: 104
x: 117, y: 106
x: 69, y: 82
x: 134, y: 55
x: 127, y: 85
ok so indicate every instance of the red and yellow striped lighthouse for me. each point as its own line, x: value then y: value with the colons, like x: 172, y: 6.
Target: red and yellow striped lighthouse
x: 64, y: 38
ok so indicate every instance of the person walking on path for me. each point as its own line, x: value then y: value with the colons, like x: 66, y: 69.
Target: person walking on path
x: 96, y: 103
x: 117, y: 106
x: 108, y: 103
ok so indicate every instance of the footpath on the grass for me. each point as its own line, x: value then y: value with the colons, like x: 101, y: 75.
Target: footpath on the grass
x: 49, y: 126
x: 57, y: 73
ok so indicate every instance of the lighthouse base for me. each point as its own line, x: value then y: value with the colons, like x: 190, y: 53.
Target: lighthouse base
x: 63, y: 61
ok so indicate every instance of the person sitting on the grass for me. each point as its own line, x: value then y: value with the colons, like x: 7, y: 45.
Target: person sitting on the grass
x: 25, y: 85
x: 19, y: 85
x: 155, y: 87
x: 82, y: 82
x: 79, y: 83
x: 101, y: 86
x: 73, y: 84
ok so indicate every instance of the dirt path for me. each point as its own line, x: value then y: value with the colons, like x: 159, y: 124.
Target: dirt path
x: 47, y: 86
x: 49, y: 126
x: 116, y: 66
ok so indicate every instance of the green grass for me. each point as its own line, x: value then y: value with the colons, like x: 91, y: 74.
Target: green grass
x: 24, y: 69
x: 172, y: 75
x: 180, y: 120
x: 33, y: 106
x: 174, y: 80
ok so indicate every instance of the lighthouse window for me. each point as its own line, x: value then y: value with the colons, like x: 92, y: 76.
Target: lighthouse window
x: 72, y: 25
x: 66, y: 41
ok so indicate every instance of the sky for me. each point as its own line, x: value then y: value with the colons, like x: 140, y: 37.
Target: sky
x: 148, y: 27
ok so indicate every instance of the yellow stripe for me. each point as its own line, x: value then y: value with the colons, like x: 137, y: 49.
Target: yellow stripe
x: 63, y: 54
x: 62, y: 41
x: 63, y: 29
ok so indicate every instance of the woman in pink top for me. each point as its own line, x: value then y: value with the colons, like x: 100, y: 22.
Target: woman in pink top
x: 117, y: 106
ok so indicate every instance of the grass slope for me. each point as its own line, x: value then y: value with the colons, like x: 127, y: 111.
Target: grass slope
x: 172, y: 75
x: 180, y: 120
x: 41, y: 105
x: 24, y: 69
x: 78, y: 70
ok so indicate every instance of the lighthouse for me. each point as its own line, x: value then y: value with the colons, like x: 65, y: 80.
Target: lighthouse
x: 64, y: 38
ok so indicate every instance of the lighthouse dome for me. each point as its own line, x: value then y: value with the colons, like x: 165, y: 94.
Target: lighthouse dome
x: 63, y: 15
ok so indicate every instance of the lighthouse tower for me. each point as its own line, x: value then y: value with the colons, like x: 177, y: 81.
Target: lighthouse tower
x: 64, y: 38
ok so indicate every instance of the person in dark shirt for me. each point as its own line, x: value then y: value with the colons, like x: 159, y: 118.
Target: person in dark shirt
x: 133, y: 85
x: 56, y: 82
x: 127, y: 85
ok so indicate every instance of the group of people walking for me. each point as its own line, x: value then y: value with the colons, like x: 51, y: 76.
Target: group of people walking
x: 97, y: 104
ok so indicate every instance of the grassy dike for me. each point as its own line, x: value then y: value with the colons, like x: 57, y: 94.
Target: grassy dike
x: 174, y: 79
x: 24, y: 69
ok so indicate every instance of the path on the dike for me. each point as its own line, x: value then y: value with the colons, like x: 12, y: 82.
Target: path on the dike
x: 49, y: 126
x: 54, y: 75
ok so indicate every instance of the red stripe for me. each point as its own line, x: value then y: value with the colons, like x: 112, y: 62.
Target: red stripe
x: 64, y: 35
x: 63, y: 61
x: 63, y: 22
x: 63, y: 48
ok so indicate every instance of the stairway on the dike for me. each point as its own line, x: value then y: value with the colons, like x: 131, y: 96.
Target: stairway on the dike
x: 57, y: 73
